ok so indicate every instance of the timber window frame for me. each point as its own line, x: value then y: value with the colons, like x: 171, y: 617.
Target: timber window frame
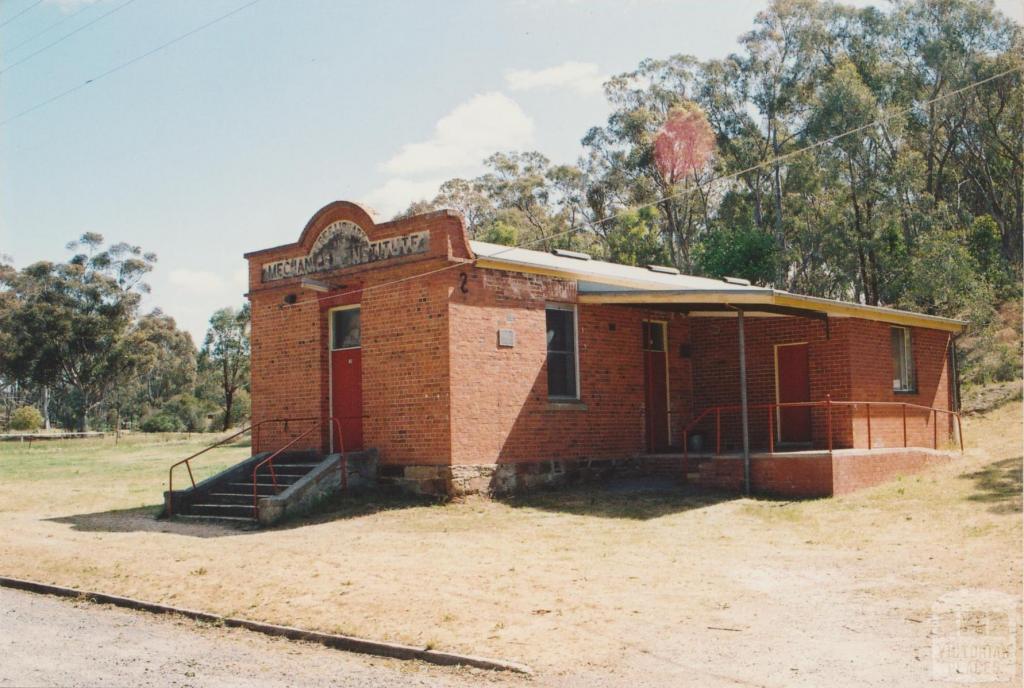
x: 904, y: 376
x: 563, y: 367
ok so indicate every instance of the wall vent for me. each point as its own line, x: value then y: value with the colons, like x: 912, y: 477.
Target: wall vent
x: 665, y: 269
x: 736, y: 280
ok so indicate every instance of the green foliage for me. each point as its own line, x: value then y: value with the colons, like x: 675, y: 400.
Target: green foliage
x: 225, y: 355
x: 26, y: 418
x: 499, y: 232
x: 190, y: 412
x: 162, y: 422
x: 634, y: 239
x: 69, y: 323
x: 743, y: 252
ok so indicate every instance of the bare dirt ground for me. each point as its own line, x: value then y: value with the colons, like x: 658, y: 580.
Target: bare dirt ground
x: 589, y: 586
x: 45, y: 641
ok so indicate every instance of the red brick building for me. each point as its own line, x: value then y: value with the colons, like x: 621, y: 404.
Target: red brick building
x: 471, y: 366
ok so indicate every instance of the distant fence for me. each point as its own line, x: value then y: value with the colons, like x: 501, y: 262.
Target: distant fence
x: 43, y: 436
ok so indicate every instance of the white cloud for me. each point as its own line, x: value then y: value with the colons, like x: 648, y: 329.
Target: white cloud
x: 582, y: 77
x: 473, y: 130
x: 197, y: 281
x: 397, y: 193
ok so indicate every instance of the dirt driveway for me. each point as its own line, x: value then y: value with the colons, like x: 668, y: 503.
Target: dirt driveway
x: 46, y: 641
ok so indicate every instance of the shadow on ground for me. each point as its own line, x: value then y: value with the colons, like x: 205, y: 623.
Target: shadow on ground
x: 639, y: 499
x: 999, y: 484
x: 144, y: 519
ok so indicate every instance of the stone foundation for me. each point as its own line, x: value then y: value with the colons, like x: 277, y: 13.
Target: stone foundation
x: 504, y: 478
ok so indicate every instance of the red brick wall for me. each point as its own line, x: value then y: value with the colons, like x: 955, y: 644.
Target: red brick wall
x: 404, y: 340
x: 805, y: 476
x: 817, y: 476
x: 500, y: 407
x: 855, y: 472
x: 871, y: 359
x: 716, y: 373
x: 854, y: 364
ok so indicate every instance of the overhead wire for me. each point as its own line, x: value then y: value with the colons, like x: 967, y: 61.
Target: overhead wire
x: 66, y: 36
x: 8, y: 21
x: 128, y: 63
x: 51, y: 27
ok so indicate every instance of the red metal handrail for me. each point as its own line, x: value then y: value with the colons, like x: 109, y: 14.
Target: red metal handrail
x: 827, y: 403
x: 188, y: 460
x: 269, y: 461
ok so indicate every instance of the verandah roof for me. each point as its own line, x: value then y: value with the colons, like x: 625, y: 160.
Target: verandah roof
x: 601, y: 282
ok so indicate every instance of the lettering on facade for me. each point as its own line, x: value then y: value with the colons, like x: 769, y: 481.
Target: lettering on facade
x: 344, y: 244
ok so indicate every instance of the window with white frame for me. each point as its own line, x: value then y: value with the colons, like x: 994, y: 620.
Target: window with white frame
x: 563, y: 382
x: 902, y: 361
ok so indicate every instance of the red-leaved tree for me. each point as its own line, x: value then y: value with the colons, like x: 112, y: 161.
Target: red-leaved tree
x: 685, y: 144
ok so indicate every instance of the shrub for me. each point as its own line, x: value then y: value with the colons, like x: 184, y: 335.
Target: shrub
x: 162, y: 422
x: 26, y: 418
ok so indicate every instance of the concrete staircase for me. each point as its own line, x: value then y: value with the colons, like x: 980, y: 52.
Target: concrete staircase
x: 303, y: 480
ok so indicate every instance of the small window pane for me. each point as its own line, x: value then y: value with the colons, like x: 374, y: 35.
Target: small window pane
x: 561, y: 339
x: 654, y: 336
x: 902, y: 360
x: 345, y: 329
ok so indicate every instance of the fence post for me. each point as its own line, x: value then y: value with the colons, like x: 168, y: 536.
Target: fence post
x: 828, y: 421
x: 960, y: 432
x: 904, y: 406
x: 718, y: 431
x: 771, y: 432
x: 869, y: 424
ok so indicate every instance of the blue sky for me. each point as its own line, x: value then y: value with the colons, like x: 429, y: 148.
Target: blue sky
x: 230, y: 139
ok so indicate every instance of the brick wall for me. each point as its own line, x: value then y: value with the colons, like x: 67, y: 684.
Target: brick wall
x: 500, y: 407
x: 716, y: 373
x: 404, y: 340
x: 817, y: 475
x: 870, y: 357
x: 854, y: 363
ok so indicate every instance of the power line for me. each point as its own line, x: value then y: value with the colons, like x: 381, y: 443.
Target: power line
x: 128, y: 63
x: 66, y: 36
x: 651, y: 204
x: 52, y: 26
x: 34, y: 4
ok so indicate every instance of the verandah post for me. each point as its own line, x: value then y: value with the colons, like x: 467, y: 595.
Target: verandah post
x: 743, y: 403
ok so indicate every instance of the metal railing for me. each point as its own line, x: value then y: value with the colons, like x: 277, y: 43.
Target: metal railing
x: 774, y: 411
x: 269, y: 461
x: 255, y: 431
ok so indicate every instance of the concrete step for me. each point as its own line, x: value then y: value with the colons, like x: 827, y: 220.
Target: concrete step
x: 197, y: 517
x: 266, y: 488
x: 229, y: 498
x: 220, y: 510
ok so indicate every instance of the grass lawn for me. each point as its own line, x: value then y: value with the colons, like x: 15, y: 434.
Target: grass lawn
x: 611, y: 586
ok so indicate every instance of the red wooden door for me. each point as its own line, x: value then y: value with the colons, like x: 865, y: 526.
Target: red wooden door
x: 794, y: 385
x: 655, y: 386
x: 347, y: 379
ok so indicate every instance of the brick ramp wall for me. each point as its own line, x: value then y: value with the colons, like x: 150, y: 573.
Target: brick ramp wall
x: 816, y: 475
x: 853, y: 472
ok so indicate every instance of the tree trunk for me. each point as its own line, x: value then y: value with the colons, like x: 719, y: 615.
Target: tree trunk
x: 229, y: 402
x: 46, y: 407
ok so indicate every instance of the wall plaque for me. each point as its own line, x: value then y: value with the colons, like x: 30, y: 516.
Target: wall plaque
x: 344, y: 244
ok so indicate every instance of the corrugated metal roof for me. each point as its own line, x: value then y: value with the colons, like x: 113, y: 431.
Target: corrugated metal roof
x: 602, y: 282
x: 599, y: 273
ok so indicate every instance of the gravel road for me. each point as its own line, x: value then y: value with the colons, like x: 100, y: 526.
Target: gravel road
x: 47, y: 641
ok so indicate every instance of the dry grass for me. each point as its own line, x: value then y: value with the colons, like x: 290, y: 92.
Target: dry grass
x: 608, y: 585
